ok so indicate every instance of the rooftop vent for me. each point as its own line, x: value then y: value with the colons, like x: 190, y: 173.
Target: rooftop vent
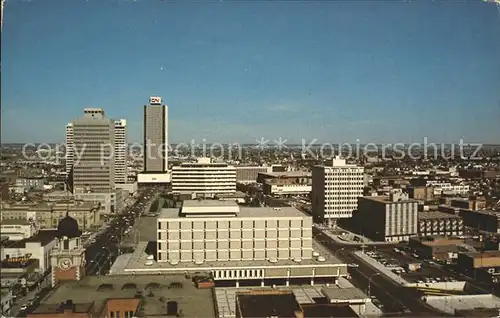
x: 321, y: 259
x: 297, y: 260
x: 273, y: 260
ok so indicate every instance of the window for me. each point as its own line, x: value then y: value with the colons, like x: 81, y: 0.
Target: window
x: 112, y: 314
x: 117, y: 314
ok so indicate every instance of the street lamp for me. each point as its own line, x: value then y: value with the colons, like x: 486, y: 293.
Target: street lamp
x: 369, y: 283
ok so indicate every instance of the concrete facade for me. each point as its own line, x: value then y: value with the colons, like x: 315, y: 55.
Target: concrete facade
x: 222, y: 231
x: 390, y: 219
x: 204, y: 178
x: 47, y: 214
x: 93, y: 147
x: 335, y: 190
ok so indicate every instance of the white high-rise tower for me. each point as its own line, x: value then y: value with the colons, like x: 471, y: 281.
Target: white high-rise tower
x: 69, y: 147
x: 335, y: 190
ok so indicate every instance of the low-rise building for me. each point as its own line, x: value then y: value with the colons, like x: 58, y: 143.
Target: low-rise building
x: 48, y: 214
x: 18, y: 229
x: 249, y: 174
x: 484, y: 220
x: 469, y: 262
x: 421, y: 193
x: 435, y: 223
x: 439, y: 248
x: 36, y: 247
x: 286, y: 183
x: 267, y: 304
x: 31, y: 183
x: 447, y: 188
x: 127, y: 296
x: 391, y: 218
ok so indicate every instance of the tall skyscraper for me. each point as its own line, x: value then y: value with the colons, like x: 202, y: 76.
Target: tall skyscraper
x: 120, y: 151
x: 93, y: 147
x: 69, y: 147
x: 155, y: 136
x: 335, y: 190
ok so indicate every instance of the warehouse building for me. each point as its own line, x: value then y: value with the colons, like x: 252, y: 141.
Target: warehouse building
x: 286, y: 183
x: 439, y: 223
x: 484, y: 220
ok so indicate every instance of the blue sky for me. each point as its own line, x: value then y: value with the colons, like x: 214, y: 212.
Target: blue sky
x: 377, y: 71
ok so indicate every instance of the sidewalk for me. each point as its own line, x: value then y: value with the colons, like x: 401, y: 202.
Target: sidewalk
x: 348, y: 238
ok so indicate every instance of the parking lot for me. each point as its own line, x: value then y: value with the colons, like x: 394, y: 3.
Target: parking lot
x: 410, y: 268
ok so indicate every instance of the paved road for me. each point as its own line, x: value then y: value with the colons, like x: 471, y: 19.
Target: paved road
x: 101, y: 254
x: 394, y: 298
x: 30, y: 299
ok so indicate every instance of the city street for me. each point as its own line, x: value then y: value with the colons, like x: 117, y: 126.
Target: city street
x: 101, y: 254
x: 393, y: 297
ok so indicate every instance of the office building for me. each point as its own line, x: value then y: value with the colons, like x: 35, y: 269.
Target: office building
x: 392, y: 218
x: 235, y: 243
x: 204, y: 178
x: 120, y: 151
x: 69, y: 147
x: 223, y: 231
x: 155, y: 143
x: 335, y: 190
x: 93, y: 141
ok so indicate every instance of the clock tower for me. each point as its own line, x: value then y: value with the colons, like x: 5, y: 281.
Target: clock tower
x: 67, y: 258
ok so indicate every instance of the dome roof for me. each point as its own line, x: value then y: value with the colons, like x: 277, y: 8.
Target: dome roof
x: 68, y: 227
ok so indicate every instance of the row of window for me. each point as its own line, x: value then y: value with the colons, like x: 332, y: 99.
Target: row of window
x: 234, y: 245
x: 217, y: 235
x: 233, y: 225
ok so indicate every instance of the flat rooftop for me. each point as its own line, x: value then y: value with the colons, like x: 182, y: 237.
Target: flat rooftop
x: 267, y: 304
x: 437, y: 240
x: 216, y: 208
x: 135, y: 262
x: 436, y: 215
x: 43, y: 237
x: 450, y: 304
x: 288, y: 174
x: 155, y: 288
x: 386, y: 199
x: 336, y: 293
x: 311, y: 299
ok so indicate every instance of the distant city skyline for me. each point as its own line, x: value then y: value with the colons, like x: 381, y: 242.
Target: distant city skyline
x: 339, y: 71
